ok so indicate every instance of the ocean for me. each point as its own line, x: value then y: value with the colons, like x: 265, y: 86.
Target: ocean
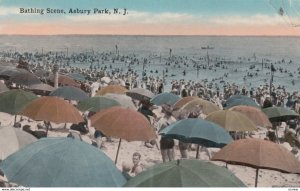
x: 242, y: 51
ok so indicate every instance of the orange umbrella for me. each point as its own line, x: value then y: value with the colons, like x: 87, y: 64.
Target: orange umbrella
x: 258, y: 153
x: 206, y: 106
x: 254, y: 114
x: 123, y: 123
x: 115, y: 89
x: 183, y: 101
x: 52, y: 109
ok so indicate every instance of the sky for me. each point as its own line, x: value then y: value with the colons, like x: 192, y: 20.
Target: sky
x: 152, y: 17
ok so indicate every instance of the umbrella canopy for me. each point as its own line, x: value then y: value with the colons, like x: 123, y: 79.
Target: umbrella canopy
x: 14, y: 101
x: 64, y: 80
x: 123, y: 123
x: 206, y: 106
x: 124, y: 100
x: 42, y: 87
x: 231, y: 121
x: 77, y: 77
x: 70, y: 93
x: 198, y: 131
x: 239, y: 100
x: 183, y: 101
x: 116, y: 89
x: 254, y: 114
x: 61, y: 162
x: 26, y: 79
x: 259, y: 153
x: 52, y: 109
x: 97, y: 103
x: 3, y: 88
x: 165, y: 98
x: 277, y: 114
x: 13, y: 139
x: 140, y: 94
x: 10, y: 71
x: 185, y: 173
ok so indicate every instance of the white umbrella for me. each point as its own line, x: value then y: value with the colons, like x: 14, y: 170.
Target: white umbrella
x: 124, y: 100
x: 12, y: 139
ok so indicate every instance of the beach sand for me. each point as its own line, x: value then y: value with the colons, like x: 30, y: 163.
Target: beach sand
x: 152, y: 156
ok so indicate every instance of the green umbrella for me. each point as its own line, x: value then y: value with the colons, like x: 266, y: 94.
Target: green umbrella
x: 14, y: 101
x: 70, y: 93
x: 277, y: 114
x: 165, y: 98
x: 97, y: 103
x: 185, y: 173
x: 61, y: 162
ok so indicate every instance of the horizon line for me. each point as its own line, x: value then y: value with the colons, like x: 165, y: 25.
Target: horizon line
x: 167, y: 35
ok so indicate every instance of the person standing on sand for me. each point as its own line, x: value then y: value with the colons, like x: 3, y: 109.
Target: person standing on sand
x: 167, y: 144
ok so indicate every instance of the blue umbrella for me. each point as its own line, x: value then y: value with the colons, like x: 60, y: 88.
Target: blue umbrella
x: 239, y: 100
x: 61, y: 162
x: 165, y: 98
x: 198, y: 131
x: 77, y: 77
x: 70, y: 93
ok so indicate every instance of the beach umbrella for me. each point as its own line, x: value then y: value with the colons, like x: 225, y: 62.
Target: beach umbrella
x: 231, y: 121
x: 13, y: 101
x: 97, y: 103
x: 123, y: 99
x: 52, y: 109
x: 259, y: 154
x: 123, y: 123
x: 254, y: 114
x: 26, y: 79
x: 183, y: 101
x: 61, y: 162
x: 116, y: 89
x: 13, y: 139
x: 64, y: 80
x: 69, y: 93
x: 77, y: 77
x: 140, y: 94
x: 165, y: 98
x: 41, y: 87
x: 41, y: 73
x: 280, y: 114
x: 9, y: 71
x: 197, y: 131
x: 239, y: 100
x: 3, y: 87
x: 206, y: 106
x: 185, y: 173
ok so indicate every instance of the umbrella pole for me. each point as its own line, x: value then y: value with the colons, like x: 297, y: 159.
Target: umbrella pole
x: 197, y: 154
x: 47, y: 128
x: 256, y: 177
x: 15, y: 119
x: 118, y: 151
